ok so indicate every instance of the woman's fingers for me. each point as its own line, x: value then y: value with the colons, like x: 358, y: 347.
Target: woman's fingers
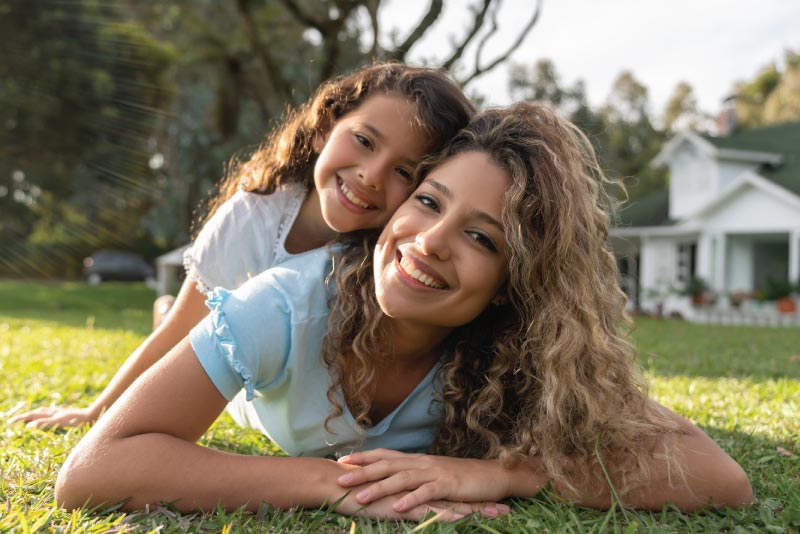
x: 391, y: 485
x: 376, y: 471
x: 423, y: 494
x: 453, y: 511
x: 371, y: 456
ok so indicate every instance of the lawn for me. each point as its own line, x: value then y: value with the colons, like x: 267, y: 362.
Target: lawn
x: 60, y: 343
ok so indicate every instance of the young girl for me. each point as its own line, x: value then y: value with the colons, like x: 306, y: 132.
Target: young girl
x: 485, y: 326
x: 339, y: 163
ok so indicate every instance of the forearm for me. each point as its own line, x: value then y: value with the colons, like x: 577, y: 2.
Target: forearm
x: 188, y: 310
x: 153, y: 468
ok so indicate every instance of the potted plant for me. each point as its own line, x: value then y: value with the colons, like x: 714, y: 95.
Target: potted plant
x: 695, y: 288
x: 780, y: 290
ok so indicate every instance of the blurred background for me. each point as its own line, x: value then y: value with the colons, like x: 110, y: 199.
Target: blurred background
x: 118, y: 118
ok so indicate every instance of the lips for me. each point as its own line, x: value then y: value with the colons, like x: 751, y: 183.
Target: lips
x: 351, y: 196
x: 418, y: 271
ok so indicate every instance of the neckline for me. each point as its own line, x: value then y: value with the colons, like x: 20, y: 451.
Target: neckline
x: 297, y: 195
x: 381, y: 427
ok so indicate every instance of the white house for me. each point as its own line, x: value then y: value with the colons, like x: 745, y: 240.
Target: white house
x: 730, y: 217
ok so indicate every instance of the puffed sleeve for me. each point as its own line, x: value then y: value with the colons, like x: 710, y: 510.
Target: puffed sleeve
x: 245, y: 342
x: 234, y: 244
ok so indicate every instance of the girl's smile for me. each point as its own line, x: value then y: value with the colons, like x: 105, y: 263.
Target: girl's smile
x: 366, y: 162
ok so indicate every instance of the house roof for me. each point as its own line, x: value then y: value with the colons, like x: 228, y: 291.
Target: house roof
x: 783, y: 139
x: 652, y: 209
x: 776, y: 147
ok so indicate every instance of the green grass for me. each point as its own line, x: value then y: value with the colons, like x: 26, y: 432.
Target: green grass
x: 61, y: 342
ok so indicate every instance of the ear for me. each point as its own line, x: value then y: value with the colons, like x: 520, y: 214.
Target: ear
x: 500, y: 299
x: 319, y: 140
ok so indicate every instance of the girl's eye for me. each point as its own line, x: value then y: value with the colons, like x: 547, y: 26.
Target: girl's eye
x: 405, y: 173
x: 363, y: 140
x: 483, y: 240
x: 427, y: 201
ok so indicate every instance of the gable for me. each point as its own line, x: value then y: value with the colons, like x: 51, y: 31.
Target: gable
x: 749, y: 208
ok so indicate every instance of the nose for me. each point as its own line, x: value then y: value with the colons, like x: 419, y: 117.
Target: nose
x: 372, y: 175
x: 435, y: 241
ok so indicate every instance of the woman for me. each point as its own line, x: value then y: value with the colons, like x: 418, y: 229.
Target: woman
x: 486, y: 327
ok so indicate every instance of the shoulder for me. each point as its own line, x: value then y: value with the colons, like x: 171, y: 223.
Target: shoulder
x: 301, y: 281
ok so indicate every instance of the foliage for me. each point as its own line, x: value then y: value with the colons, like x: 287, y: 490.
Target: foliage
x: 621, y: 131
x: 61, y: 342
x: 772, y: 96
x: 79, y: 88
x: 694, y: 286
x: 776, y: 288
x: 118, y: 118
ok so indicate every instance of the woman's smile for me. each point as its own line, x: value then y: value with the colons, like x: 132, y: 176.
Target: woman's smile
x: 441, y: 259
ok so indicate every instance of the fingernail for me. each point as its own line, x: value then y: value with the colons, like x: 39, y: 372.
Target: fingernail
x: 362, y: 495
x: 343, y: 458
x: 503, y: 508
x: 399, y: 505
x: 490, y: 511
x: 344, y: 479
x: 458, y: 516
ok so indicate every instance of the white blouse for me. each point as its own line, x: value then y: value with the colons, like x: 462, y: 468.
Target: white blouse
x: 243, y: 238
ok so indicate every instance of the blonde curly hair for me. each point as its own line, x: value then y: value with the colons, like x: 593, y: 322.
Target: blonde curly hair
x: 287, y: 154
x: 550, y: 374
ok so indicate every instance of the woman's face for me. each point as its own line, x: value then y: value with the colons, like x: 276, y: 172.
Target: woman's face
x: 441, y: 258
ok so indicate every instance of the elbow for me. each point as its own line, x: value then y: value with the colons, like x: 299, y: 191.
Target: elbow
x: 73, y: 488
x: 80, y: 480
x: 739, y: 492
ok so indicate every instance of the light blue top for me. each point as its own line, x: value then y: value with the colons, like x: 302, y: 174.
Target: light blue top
x: 266, y: 338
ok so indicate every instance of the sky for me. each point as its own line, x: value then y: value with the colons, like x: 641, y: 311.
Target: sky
x: 709, y: 43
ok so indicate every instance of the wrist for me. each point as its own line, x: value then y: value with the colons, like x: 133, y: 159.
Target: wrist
x: 527, y: 478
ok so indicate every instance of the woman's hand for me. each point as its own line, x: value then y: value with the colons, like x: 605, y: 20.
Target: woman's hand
x: 429, y: 478
x: 55, y: 417
x: 442, y: 510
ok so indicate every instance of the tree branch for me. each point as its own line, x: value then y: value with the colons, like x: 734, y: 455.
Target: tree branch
x: 427, y: 21
x: 277, y: 81
x: 489, y: 34
x: 504, y: 56
x: 372, y: 9
x: 477, y: 23
x: 298, y: 13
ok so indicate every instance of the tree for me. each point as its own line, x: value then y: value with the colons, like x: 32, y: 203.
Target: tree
x: 122, y: 115
x: 772, y: 96
x: 683, y: 113
x: 631, y: 139
x: 79, y: 88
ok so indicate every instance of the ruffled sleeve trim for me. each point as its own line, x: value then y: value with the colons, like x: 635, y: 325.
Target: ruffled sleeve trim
x: 224, y: 339
x: 192, y: 274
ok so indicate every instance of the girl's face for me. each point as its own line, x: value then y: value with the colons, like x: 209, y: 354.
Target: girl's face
x: 365, y: 167
x: 441, y: 259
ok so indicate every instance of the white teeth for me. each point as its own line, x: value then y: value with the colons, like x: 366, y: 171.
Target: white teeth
x: 352, y: 198
x: 416, y: 274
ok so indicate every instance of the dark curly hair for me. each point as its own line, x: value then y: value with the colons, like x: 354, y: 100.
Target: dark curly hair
x: 287, y: 154
x: 551, y: 373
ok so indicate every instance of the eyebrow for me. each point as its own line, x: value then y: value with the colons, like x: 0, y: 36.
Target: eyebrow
x: 482, y: 215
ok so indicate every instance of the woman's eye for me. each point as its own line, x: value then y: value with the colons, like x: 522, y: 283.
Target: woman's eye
x: 428, y: 201
x: 483, y: 240
x: 363, y: 140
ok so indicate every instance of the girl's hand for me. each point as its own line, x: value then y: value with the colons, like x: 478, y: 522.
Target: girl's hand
x: 426, y: 478
x: 55, y: 417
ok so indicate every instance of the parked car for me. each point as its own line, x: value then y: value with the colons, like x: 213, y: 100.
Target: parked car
x: 116, y: 265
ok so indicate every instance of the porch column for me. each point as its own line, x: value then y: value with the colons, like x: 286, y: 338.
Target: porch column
x: 794, y: 256
x: 719, y: 262
x: 705, y: 263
